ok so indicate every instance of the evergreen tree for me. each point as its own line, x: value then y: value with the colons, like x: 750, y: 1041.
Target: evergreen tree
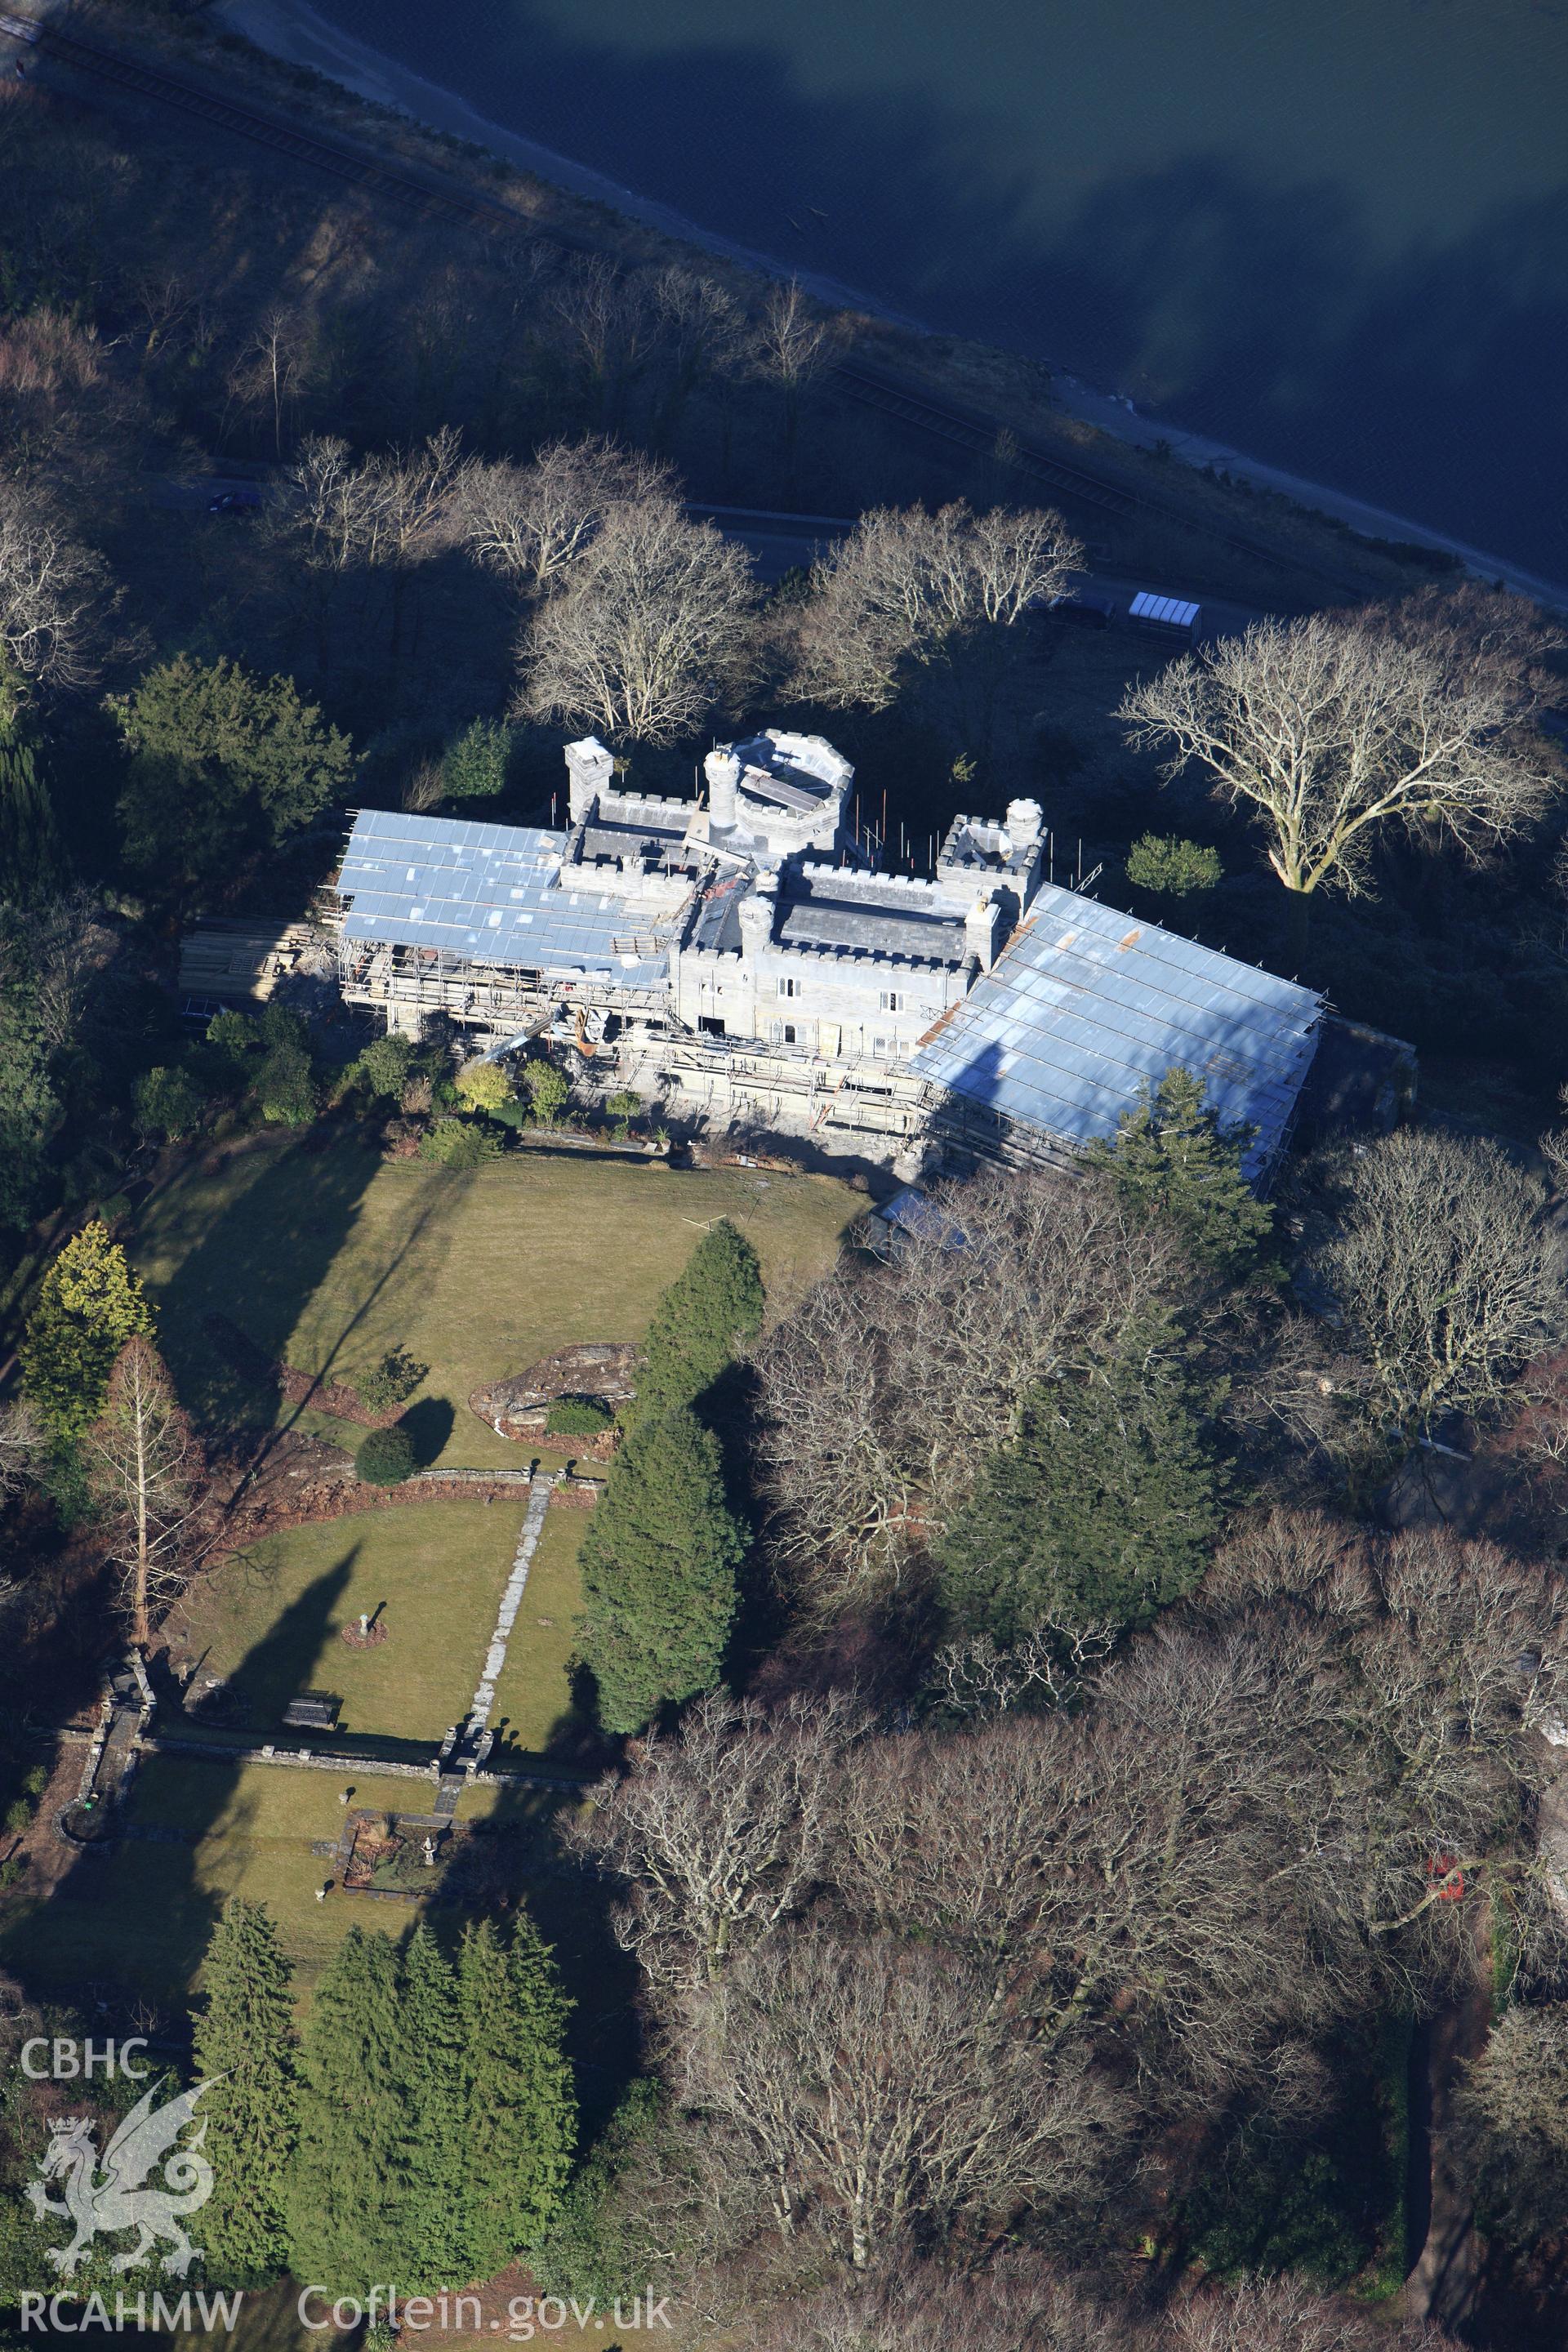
x: 245, y: 2042
x: 659, y: 1572
x: 1101, y: 1511
x: 474, y: 765
x: 347, y: 2186
x: 517, y: 2106
x: 714, y: 1303
x: 30, y: 859
x: 1172, y: 1157
x: 220, y: 764
x: 431, y: 2238
x: 90, y: 1304
x: 29, y: 1108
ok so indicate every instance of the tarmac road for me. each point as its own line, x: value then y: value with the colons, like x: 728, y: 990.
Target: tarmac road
x: 776, y: 543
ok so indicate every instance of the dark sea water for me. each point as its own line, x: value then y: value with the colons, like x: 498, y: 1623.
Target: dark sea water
x: 1333, y: 232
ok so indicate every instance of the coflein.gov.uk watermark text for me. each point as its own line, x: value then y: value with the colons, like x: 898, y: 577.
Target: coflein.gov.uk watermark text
x: 528, y: 2316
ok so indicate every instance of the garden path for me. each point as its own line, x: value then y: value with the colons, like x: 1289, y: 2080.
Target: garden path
x: 544, y: 1484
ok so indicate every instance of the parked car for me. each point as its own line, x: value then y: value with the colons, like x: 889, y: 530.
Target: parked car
x: 235, y: 503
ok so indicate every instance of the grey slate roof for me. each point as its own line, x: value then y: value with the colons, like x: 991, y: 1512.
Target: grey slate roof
x: 1087, y: 1006
x: 853, y: 913
x: 488, y: 892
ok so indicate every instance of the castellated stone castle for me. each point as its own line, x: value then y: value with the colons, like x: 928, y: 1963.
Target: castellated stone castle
x: 742, y: 960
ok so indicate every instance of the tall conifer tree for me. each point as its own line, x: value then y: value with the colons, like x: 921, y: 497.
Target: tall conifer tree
x: 715, y: 1302
x: 30, y: 859
x: 659, y: 1572
x: 349, y: 2179
x: 1103, y: 1508
x: 1173, y: 1159
x: 90, y: 1304
x: 245, y: 2042
x: 519, y: 2109
x: 432, y: 2240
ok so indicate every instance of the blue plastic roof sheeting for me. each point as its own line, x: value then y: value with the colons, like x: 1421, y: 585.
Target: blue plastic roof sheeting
x: 491, y: 893
x: 1173, y: 611
x: 1087, y: 1007
x: 914, y: 1211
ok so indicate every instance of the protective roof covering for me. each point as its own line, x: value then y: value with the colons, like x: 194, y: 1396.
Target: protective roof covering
x: 1172, y: 610
x: 1087, y: 1006
x: 914, y: 1211
x: 491, y: 893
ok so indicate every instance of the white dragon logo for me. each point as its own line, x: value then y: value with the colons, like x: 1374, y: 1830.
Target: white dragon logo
x: 110, y: 2197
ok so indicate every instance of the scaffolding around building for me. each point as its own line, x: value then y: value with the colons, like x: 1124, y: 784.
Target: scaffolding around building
x: 409, y: 984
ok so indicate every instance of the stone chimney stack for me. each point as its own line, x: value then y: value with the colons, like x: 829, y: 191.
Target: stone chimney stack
x: 1025, y: 823
x: 723, y: 771
x: 980, y: 932
x: 590, y: 771
x: 756, y: 912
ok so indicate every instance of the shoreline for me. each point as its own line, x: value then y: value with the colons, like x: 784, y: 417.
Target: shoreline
x: 293, y: 31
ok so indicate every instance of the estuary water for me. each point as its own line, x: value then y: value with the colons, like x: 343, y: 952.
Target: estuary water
x: 1334, y: 236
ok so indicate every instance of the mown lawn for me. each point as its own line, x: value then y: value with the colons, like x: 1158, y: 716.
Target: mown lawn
x: 271, y: 1618
x: 535, y: 1709
x: 141, y: 1915
x: 327, y: 1259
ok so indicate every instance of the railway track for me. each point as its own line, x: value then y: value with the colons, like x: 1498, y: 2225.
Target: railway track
x: 346, y: 162
x: 335, y: 157
x: 971, y: 433
x: 967, y: 431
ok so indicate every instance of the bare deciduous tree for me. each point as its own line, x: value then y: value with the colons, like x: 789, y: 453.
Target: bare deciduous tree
x: 331, y: 502
x: 611, y: 318
x: 906, y: 587
x: 54, y: 593
x: 1016, y: 2303
x: 702, y: 330
x: 793, y: 343
x: 1049, y: 1663
x: 68, y: 944
x: 530, y: 523
x: 880, y: 2097
x: 1285, y: 2315
x: 145, y: 1463
x: 1019, y: 2304
x: 1331, y: 729
x: 1442, y: 1264
x: 23, y: 1443
x: 653, y: 626
x: 719, y: 1832
x: 887, y: 1387
x: 1439, y: 1661
x: 1514, y: 2111
x: 270, y: 369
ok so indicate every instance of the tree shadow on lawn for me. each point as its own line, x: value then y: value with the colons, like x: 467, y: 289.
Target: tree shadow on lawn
x: 427, y: 1425
x: 260, y: 1259
x: 130, y: 1921
x: 127, y: 1927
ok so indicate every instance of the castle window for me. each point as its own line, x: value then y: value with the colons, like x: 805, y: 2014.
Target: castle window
x: 789, y: 987
x: 787, y: 1032
x: 892, y: 1001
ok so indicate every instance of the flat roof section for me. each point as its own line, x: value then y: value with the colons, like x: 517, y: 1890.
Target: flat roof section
x: 1087, y: 1007
x: 491, y: 893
